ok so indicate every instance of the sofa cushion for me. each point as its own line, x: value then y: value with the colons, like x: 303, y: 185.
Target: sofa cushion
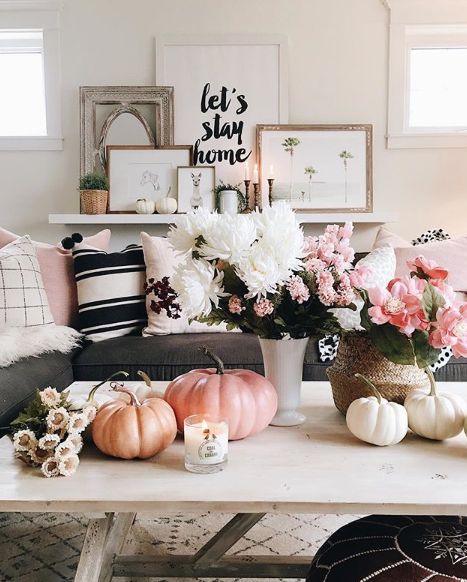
x: 166, y: 357
x: 19, y: 382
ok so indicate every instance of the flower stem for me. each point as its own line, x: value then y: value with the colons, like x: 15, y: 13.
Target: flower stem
x: 429, y: 373
x: 94, y: 390
x: 215, y: 358
x: 371, y: 386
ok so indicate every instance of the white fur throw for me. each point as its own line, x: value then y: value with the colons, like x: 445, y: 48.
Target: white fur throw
x: 20, y: 342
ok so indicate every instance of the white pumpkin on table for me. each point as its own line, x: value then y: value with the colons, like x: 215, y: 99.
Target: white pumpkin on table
x: 375, y: 420
x: 433, y: 415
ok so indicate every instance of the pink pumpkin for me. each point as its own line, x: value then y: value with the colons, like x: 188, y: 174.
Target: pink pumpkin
x: 246, y: 399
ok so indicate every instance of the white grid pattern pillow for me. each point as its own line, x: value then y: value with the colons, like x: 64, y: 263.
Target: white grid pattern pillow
x: 23, y: 302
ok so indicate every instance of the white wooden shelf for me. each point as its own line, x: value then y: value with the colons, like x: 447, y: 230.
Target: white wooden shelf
x: 304, y: 218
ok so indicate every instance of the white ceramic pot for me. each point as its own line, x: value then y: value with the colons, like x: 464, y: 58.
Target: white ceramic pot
x: 228, y: 202
x: 283, y: 367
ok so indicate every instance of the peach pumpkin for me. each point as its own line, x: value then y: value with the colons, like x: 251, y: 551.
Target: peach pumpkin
x: 131, y: 429
x: 246, y: 399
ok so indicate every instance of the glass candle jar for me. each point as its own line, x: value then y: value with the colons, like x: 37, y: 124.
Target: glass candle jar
x: 206, y: 443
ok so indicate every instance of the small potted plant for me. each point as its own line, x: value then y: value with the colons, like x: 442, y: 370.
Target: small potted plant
x: 94, y: 194
x: 229, y: 199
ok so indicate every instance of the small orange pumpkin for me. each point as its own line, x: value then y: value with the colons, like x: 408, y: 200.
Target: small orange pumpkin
x: 131, y: 429
x: 246, y: 399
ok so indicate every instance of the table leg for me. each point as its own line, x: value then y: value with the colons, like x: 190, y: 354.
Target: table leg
x: 103, y: 541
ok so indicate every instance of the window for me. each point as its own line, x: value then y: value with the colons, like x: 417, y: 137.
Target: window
x: 29, y: 78
x: 427, y: 104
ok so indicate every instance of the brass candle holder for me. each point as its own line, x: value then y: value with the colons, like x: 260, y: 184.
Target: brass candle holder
x: 257, y: 194
x: 271, y: 184
x: 249, y: 202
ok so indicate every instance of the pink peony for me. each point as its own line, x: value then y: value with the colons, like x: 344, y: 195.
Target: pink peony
x: 297, y: 289
x: 263, y: 307
x: 451, y: 330
x: 235, y: 305
x: 397, y: 306
x: 448, y: 293
x: 429, y: 267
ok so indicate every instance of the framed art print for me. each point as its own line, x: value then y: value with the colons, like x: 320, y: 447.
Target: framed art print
x: 196, y: 187
x: 318, y: 168
x: 143, y: 172
x: 223, y: 86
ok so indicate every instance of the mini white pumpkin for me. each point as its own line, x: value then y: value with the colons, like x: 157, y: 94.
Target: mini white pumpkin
x: 375, y: 420
x: 145, y: 206
x: 166, y: 205
x: 141, y: 391
x: 435, y: 416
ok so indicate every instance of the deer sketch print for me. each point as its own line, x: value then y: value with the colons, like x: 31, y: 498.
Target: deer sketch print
x: 196, y: 199
x: 150, y: 178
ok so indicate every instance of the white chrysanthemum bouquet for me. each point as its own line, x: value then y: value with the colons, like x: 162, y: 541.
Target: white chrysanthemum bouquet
x: 258, y: 272
x: 48, y: 433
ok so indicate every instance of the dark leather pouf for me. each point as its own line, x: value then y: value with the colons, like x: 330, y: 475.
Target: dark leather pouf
x: 384, y: 548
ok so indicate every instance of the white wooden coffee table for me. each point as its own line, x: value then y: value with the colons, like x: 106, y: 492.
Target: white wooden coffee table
x: 316, y: 468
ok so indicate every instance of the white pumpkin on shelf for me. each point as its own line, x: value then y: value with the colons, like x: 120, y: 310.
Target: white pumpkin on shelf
x: 433, y: 415
x: 167, y: 204
x: 145, y: 206
x: 375, y: 420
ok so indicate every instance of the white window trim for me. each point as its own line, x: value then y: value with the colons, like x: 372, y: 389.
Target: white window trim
x: 406, y: 18
x: 44, y: 15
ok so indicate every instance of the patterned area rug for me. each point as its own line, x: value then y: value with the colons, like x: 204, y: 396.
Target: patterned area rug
x: 45, y: 547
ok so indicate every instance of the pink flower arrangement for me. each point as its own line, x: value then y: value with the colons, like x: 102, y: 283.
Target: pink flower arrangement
x: 263, y: 307
x: 415, y: 316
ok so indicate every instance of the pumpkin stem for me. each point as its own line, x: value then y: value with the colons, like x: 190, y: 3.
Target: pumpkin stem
x: 134, y: 399
x: 94, y: 390
x: 215, y: 358
x: 145, y: 377
x: 371, y: 386
x: 429, y: 373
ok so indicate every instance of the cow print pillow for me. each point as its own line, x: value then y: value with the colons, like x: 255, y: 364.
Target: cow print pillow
x: 327, y: 346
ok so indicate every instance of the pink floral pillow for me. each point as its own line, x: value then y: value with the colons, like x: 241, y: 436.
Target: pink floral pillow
x: 56, y: 266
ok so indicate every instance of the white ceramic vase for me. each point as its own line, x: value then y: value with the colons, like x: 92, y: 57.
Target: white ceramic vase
x: 283, y: 366
x: 229, y: 202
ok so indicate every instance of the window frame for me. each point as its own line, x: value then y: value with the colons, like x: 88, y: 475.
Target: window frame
x: 41, y: 15
x: 420, y: 24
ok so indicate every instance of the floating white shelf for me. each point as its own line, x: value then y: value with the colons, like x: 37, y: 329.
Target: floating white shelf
x: 304, y: 218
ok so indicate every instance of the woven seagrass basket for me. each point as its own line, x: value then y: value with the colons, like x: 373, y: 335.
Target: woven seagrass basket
x: 356, y: 354
x: 93, y: 201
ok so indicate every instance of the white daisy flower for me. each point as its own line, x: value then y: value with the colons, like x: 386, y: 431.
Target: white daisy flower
x: 68, y: 465
x: 49, y: 441
x: 65, y: 449
x: 57, y: 418
x: 76, y: 440
x: 38, y: 455
x: 77, y: 422
x: 50, y: 468
x: 90, y: 412
x: 50, y: 397
x: 24, y: 440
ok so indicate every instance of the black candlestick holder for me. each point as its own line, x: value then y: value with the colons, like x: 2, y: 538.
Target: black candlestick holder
x: 249, y: 202
x: 271, y: 184
x: 257, y: 196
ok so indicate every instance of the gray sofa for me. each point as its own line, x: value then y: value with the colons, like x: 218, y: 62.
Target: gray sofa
x: 162, y: 357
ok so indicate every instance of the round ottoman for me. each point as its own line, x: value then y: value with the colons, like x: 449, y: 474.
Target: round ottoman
x: 384, y: 548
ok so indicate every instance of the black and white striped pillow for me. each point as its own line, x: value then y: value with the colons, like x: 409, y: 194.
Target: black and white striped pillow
x: 110, y: 291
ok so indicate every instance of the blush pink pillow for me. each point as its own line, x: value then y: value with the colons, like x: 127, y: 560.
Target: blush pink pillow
x: 450, y: 254
x: 57, y: 272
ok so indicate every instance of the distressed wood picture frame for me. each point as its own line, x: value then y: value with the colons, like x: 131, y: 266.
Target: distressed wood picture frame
x: 126, y: 100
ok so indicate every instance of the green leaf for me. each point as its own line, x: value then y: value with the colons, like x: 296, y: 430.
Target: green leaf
x: 393, y: 344
x: 424, y: 353
x: 432, y: 300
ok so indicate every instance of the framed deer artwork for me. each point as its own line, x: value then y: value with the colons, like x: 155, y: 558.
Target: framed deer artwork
x: 137, y: 172
x: 196, y: 188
